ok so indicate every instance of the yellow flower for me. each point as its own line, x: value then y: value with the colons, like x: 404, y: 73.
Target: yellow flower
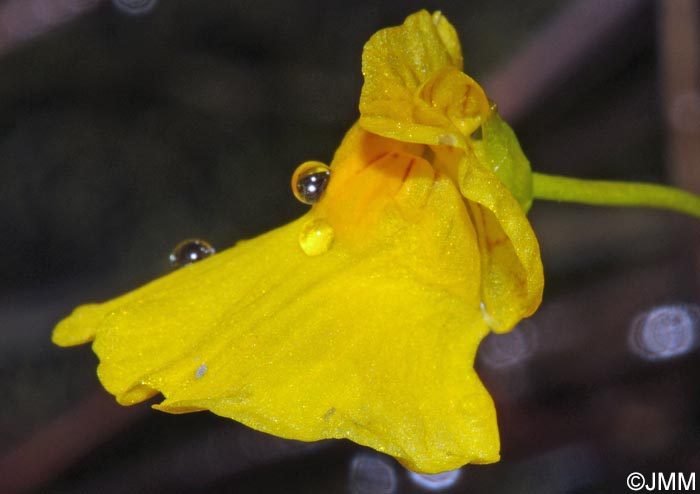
x: 361, y: 319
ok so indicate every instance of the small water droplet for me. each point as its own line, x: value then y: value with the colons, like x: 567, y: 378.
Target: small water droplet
x: 189, y: 251
x: 316, y: 237
x: 447, y: 140
x: 201, y: 370
x: 309, y: 181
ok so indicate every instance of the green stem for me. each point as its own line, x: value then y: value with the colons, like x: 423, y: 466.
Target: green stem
x: 600, y: 192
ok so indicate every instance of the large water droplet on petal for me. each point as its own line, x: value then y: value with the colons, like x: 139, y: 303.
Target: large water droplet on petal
x: 189, y: 251
x: 310, y: 180
x: 316, y: 237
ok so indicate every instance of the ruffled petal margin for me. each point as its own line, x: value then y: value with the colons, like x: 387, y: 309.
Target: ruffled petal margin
x: 373, y: 340
x: 415, y: 92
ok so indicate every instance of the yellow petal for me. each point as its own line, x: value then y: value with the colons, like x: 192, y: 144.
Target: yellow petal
x: 512, y: 275
x: 511, y: 268
x: 415, y: 90
x: 372, y: 340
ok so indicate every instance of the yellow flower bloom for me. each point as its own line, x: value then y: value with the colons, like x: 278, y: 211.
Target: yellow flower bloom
x: 361, y: 319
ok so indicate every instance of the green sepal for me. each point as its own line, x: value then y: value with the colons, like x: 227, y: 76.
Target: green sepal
x: 500, y: 151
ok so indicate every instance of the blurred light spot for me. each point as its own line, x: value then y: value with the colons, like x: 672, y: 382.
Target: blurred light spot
x: 685, y: 112
x: 135, y: 7
x: 508, y: 349
x: 261, y: 447
x: 573, y: 467
x: 664, y: 332
x: 371, y: 474
x: 21, y: 20
x: 438, y: 481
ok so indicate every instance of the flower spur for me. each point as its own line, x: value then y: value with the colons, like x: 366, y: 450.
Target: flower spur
x: 361, y: 319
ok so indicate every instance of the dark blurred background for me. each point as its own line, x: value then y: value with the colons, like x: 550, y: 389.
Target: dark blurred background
x: 129, y: 125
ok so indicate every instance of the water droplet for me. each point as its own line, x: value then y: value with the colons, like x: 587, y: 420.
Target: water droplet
x: 447, y: 140
x: 201, y: 370
x: 665, y: 332
x: 436, y: 482
x: 309, y: 181
x: 189, y: 251
x: 316, y: 237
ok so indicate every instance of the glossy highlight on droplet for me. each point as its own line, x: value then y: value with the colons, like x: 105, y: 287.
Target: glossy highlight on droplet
x: 310, y: 180
x: 189, y: 251
x: 316, y: 237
